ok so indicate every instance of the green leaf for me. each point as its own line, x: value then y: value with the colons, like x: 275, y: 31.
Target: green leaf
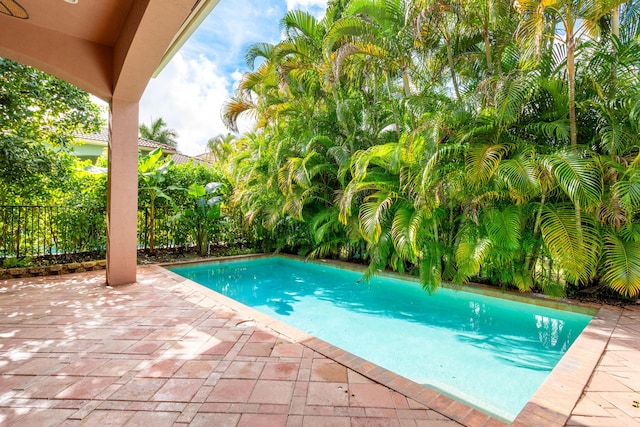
x: 470, y: 256
x: 574, y: 247
x: 504, y: 227
x: 430, y: 269
x: 622, y: 265
x: 197, y: 190
x: 373, y: 214
x: 577, y: 176
x: 482, y: 162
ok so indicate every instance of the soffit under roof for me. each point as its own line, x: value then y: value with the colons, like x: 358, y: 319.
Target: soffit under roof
x: 107, y: 47
x: 98, y: 21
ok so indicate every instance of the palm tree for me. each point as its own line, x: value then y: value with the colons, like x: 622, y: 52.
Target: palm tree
x: 418, y: 135
x: 221, y: 146
x: 577, y: 18
x: 159, y: 132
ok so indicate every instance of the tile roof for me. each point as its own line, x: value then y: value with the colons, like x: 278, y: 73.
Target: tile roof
x: 179, y: 158
x: 103, y: 136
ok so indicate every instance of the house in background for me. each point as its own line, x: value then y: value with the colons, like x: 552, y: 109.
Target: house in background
x: 92, y: 146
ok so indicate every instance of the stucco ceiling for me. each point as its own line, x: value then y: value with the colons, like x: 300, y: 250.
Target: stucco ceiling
x: 110, y: 48
x: 98, y: 21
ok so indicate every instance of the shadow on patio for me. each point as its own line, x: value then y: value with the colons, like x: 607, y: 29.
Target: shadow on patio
x: 163, y: 352
x: 168, y: 352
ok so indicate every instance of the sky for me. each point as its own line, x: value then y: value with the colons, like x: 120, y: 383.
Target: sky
x: 190, y: 91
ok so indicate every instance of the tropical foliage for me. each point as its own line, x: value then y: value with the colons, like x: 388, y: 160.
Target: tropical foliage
x: 199, y: 217
x: 422, y: 136
x: 39, y: 115
x: 152, y: 170
x: 52, y: 203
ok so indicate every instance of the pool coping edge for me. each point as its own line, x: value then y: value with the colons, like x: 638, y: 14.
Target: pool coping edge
x: 559, y: 393
x: 552, y: 403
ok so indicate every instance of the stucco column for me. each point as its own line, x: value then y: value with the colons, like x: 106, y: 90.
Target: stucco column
x: 122, y: 193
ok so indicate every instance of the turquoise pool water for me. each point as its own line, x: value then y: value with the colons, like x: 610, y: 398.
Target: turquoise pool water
x: 488, y: 352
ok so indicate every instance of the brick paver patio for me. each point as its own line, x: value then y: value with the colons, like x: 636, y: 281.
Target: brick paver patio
x: 167, y: 352
x: 612, y: 396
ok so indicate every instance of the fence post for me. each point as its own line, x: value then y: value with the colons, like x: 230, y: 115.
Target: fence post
x: 18, y: 234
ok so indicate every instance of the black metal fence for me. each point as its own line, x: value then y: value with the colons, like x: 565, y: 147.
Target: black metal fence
x: 32, y: 231
x: 28, y: 231
x: 168, y: 232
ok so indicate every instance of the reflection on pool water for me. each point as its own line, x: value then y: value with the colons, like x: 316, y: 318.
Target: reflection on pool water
x: 489, y: 352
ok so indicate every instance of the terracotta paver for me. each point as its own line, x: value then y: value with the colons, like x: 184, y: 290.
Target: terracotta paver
x: 280, y: 371
x: 178, y: 390
x: 138, y: 389
x: 232, y: 390
x: 246, y: 370
x: 610, y: 397
x: 274, y: 392
x: 166, y: 351
x: 46, y: 386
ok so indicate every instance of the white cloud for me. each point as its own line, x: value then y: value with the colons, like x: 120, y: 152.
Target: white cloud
x: 232, y: 26
x: 306, y: 4
x: 188, y: 95
x: 236, y: 76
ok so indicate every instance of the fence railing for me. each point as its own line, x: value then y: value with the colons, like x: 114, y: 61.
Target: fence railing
x: 168, y: 233
x: 32, y: 231
x: 28, y: 231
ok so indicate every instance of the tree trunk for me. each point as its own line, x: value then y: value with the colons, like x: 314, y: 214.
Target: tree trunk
x: 615, y: 31
x: 537, y: 244
x: 487, y: 47
x: 452, y: 70
x: 405, y: 82
x: 396, y: 118
x: 571, y: 77
x: 201, y: 239
x: 204, y: 243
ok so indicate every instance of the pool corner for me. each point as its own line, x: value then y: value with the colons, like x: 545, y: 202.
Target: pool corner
x: 554, y: 401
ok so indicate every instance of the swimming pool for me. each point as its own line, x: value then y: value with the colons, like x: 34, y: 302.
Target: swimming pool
x: 488, y: 352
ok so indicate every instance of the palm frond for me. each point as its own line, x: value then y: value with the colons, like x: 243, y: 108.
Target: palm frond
x: 431, y: 268
x: 234, y: 108
x: 520, y: 176
x: 574, y: 248
x: 627, y: 189
x: 301, y: 22
x: 379, y: 254
x: 523, y: 280
x: 470, y: 255
x: 482, y: 162
x: 504, y: 227
x: 373, y: 214
x: 577, y: 176
x: 404, y: 231
x: 622, y: 265
x: 258, y: 50
x: 512, y: 95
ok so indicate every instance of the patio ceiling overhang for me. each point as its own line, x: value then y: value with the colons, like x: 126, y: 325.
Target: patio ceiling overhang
x: 111, y: 49
x: 108, y: 48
